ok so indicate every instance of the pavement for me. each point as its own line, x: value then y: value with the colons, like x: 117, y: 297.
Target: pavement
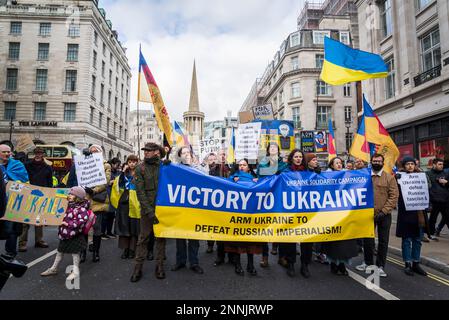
x: 434, y: 254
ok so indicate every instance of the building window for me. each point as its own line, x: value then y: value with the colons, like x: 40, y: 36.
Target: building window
x: 295, y: 90
x: 385, y: 17
x: 102, y: 94
x: 115, y: 105
x: 41, y: 79
x: 100, y: 120
x: 70, y: 80
x: 120, y: 132
x: 275, y: 102
x: 94, y: 84
x: 110, y: 77
x: 127, y: 92
x: 295, y: 63
x: 72, y: 52
x: 74, y: 30
x: 103, y: 66
x: 115, y: 129
x: 431, y: 51
x: 389, y: 81
x: 121, y: 109
x: 111, y: 59
x: 344, y: 37
x: 295, y: 39
x: 95, y: 38
x: 296, y: 117
x: 323, y: 89
x: 423, y: 3
x: 104, y: 49
x: 281, y: 97
x: 108, y: 124
x: 10, y: 110
x: 347, y: 90
x: 126, y: 134
x: 116, y: 84
x: 94, y: 61
x: 43, y: 51
x: 318, y: 36
x: 15, y: 28
x: 322, y: 116
x: 92, y: 111
x: 40, y: 111
x: 109, y: 99
x: 121, y: 91
x: 44, y: 29
x: 348, y: 114
x: 319, y: 60
x: 69, y: 112
x: 11, y: 79
x: 14, y: 50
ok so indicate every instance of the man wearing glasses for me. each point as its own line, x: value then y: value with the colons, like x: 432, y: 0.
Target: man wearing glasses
x: 386, y: 196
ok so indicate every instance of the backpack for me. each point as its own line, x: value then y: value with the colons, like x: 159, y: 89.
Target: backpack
x: 90, y: 222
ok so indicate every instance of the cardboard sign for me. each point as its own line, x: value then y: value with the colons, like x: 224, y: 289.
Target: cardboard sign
x: 25, y: 143
x: 247, y: 140
x: 210, y: 145
x: 246, y: 116
x: 90, y: 170
x: 264, y: 112
x: 415, y: 191
x: 35, y: 205
x: 307, y: 141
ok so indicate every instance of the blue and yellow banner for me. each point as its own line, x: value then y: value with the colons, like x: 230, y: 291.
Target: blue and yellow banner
x: 290, y: 207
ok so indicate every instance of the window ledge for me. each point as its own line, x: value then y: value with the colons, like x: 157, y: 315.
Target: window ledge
x: 6, y: 91
x: 385, y: 39
x: 70, y: 93
x: 42, y: 60
x: 40, y: 92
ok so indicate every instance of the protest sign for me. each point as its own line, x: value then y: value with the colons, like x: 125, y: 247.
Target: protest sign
x: 415, y: 191
x: 320, y: 141
x: 264, y: 112
x: 290, y: 207
x: 210, y: 146
x: 35, y: 205
x: 307, y: 141
x: 90, y: 170
x: 247, y: 140
x: 25, y: 143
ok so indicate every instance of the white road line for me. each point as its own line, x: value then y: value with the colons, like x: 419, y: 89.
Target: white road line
x: 381, y: 292
x: 48, y: 255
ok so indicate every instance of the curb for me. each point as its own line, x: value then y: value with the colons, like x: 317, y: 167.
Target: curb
x: 429, y: 262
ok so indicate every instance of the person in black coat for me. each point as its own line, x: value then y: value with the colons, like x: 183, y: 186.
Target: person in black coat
x: 410, y: 226
x: 40, y: 174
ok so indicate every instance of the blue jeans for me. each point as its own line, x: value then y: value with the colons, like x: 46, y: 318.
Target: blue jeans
x: 411, y: 248
x: 11, y: 242
x: 181, y: 251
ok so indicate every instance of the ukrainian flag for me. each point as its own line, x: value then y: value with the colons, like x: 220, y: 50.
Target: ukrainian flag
x: 343, y: 64
x: 180, y: 138
x: 331, y: 142
x: 230, y: 158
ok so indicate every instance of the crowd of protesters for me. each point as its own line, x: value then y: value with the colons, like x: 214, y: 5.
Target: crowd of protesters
x: 131, y: 219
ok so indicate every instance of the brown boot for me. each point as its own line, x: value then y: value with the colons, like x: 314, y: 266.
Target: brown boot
x: 159, y: 272
x: 137, y: 274
x: 264, y: 262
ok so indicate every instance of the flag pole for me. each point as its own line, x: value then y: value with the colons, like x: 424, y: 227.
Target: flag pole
x: 138, y: 116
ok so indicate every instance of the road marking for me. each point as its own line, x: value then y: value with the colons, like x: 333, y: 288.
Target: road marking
x: 429, y: 275
x: 46, y: 256
x: 381, y: 292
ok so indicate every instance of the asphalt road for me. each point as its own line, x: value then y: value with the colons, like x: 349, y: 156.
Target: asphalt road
x: 109, y: 279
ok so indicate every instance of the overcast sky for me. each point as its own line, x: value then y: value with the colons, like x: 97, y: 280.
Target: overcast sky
x: 231, y: 40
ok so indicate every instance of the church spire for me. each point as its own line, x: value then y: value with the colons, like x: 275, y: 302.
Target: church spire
x: 194, y: 104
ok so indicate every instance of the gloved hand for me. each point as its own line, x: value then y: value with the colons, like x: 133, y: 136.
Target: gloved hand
x: 86, y: 152
x: 166, y: 162
x: 398, y: 176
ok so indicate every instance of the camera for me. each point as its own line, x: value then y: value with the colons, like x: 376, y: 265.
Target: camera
x: 8, y: 266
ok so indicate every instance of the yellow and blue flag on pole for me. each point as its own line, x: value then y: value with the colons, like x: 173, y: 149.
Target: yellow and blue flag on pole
x: 180, y: 138
x: 343, y: 64
x: 331, y: 142
x: 230, y: 158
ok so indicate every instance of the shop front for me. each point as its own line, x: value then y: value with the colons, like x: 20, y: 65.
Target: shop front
x: 425, y: 140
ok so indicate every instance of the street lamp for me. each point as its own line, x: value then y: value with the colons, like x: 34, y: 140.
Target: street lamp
x: 348, y: 123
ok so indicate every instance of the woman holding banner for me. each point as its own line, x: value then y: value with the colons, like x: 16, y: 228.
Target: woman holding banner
x: 243, y: 175
x: 270, y: 165
x: 287, y: 251
x: 124, y: 199
x: 339, y: 252
x: 410, y: 226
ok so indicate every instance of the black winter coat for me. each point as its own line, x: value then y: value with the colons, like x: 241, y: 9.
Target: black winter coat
x: 40, y: 173
x: 438, y: 192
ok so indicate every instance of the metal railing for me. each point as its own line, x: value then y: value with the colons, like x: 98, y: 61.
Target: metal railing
x: 427, y: 75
